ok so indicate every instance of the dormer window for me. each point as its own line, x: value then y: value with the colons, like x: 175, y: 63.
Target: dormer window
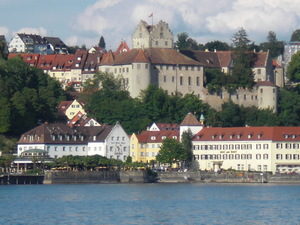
x: 221, y: 136
x: 163, y: 137
x: 250, y: 136
x: 153, y: 138
x: 94, y: 138
x: 238, y: 136
x: 259, y: 136
x: 231, y: 136
x: 174, y: 137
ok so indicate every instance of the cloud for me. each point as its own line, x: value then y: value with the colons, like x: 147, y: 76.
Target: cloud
x: 4, y: 31
x: 203, y: 20
x: 31, y: 30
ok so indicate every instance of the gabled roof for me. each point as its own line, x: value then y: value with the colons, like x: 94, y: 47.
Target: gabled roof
x: 157, y: 136
x: 31, y: 38
x: 140, y: 57
x: 92, y: 62
x: 62, y: 62
x: 225, y: 58
x: 64, y: 105
x: 55, y: 42
x: 80, y: 57
x: 206, y: 58
x: 107, y: 59
x: 123, y: 47
x: 46, y: 62
x: 248, y: 134
x: 190, y: 120
x: 58, y: 133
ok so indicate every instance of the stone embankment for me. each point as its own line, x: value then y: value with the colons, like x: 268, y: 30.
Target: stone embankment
x: 140, y: 176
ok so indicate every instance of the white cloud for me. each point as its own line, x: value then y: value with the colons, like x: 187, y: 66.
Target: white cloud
x: 31, y: 30
x: 4, y: 31
x: 204, y: 20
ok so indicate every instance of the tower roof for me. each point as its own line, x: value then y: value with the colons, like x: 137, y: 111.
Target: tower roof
x: 190, y: 120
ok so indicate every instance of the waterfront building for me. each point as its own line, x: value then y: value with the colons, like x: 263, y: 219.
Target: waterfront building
x: 266, y: 149
x: 62, y: 140
x: 145, y: 146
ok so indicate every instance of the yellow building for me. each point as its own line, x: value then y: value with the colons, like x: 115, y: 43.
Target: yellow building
x: 145, y: 146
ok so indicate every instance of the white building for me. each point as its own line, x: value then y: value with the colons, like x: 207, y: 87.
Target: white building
x: 61, y: 140
x: 272, y: 149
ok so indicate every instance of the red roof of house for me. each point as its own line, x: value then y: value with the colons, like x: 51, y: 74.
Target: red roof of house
x: 157, y: 136
x: 248, y: 134
x: 63, y: 62
x: 46, y: 62
x: 29, y: 58
x: 167, y: 126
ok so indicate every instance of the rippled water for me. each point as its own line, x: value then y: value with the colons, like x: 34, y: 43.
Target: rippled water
x: 150, y: 204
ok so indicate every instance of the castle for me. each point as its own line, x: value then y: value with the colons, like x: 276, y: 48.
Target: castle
x: 153, y: 60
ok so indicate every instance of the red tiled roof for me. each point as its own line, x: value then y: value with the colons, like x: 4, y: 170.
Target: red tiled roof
x: 167, y: 126
x: 140, y: 57
x: 29, y: 58
x: 265, y: 83
x: 107, y: 59
x: 123, y: 47
x: 156, y: 136
x: 190, y: 120
x: 62, y: 62
x: 64, y: 105
x: 225, y: 58
x: 261, y: 59
x: 46, y: 62
x: 79, y: 58
x: 248, y: 133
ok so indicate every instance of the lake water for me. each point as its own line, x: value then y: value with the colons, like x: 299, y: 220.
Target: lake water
x: 150, y: 204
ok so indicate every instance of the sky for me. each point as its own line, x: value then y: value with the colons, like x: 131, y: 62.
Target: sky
x: 79, y: 22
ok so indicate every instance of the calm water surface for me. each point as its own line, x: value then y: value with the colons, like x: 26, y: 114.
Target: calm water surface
x: 150, y: 204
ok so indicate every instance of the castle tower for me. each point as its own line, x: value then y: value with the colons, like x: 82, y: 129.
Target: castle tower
x: 267, y: 95
x: 190, y: 122
x: 152, y: 36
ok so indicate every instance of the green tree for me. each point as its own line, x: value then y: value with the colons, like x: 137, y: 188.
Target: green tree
x: 274, y: 46
x: 171, y: 152
x: 243, y: 59
x: 184, y: 42
x: 295, y: 35
x: 217, y: 45
x: 186, y: 141
x: 101, y: 43
x: 289, y: 107
x: 293, y: 70
x: 27, y: 96
x: 3, y: 49
x: 108, y: 103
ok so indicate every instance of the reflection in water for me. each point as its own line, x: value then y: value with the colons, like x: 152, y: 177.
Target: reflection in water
x: 150, y: 204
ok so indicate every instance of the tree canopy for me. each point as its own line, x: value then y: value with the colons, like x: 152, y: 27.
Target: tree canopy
x: 243, y: 59
x: 272, y: 45
x: 295, y: 35
x: 293, y: 70
x: 27, y: 96
x: 101, y: 43
x: 171, y: 151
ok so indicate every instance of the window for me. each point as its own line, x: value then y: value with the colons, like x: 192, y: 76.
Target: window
x: 165, y: 79
x: 198, y: 81
x: 190, y: 80
x: 181, y: 80
x: 258, y: 71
